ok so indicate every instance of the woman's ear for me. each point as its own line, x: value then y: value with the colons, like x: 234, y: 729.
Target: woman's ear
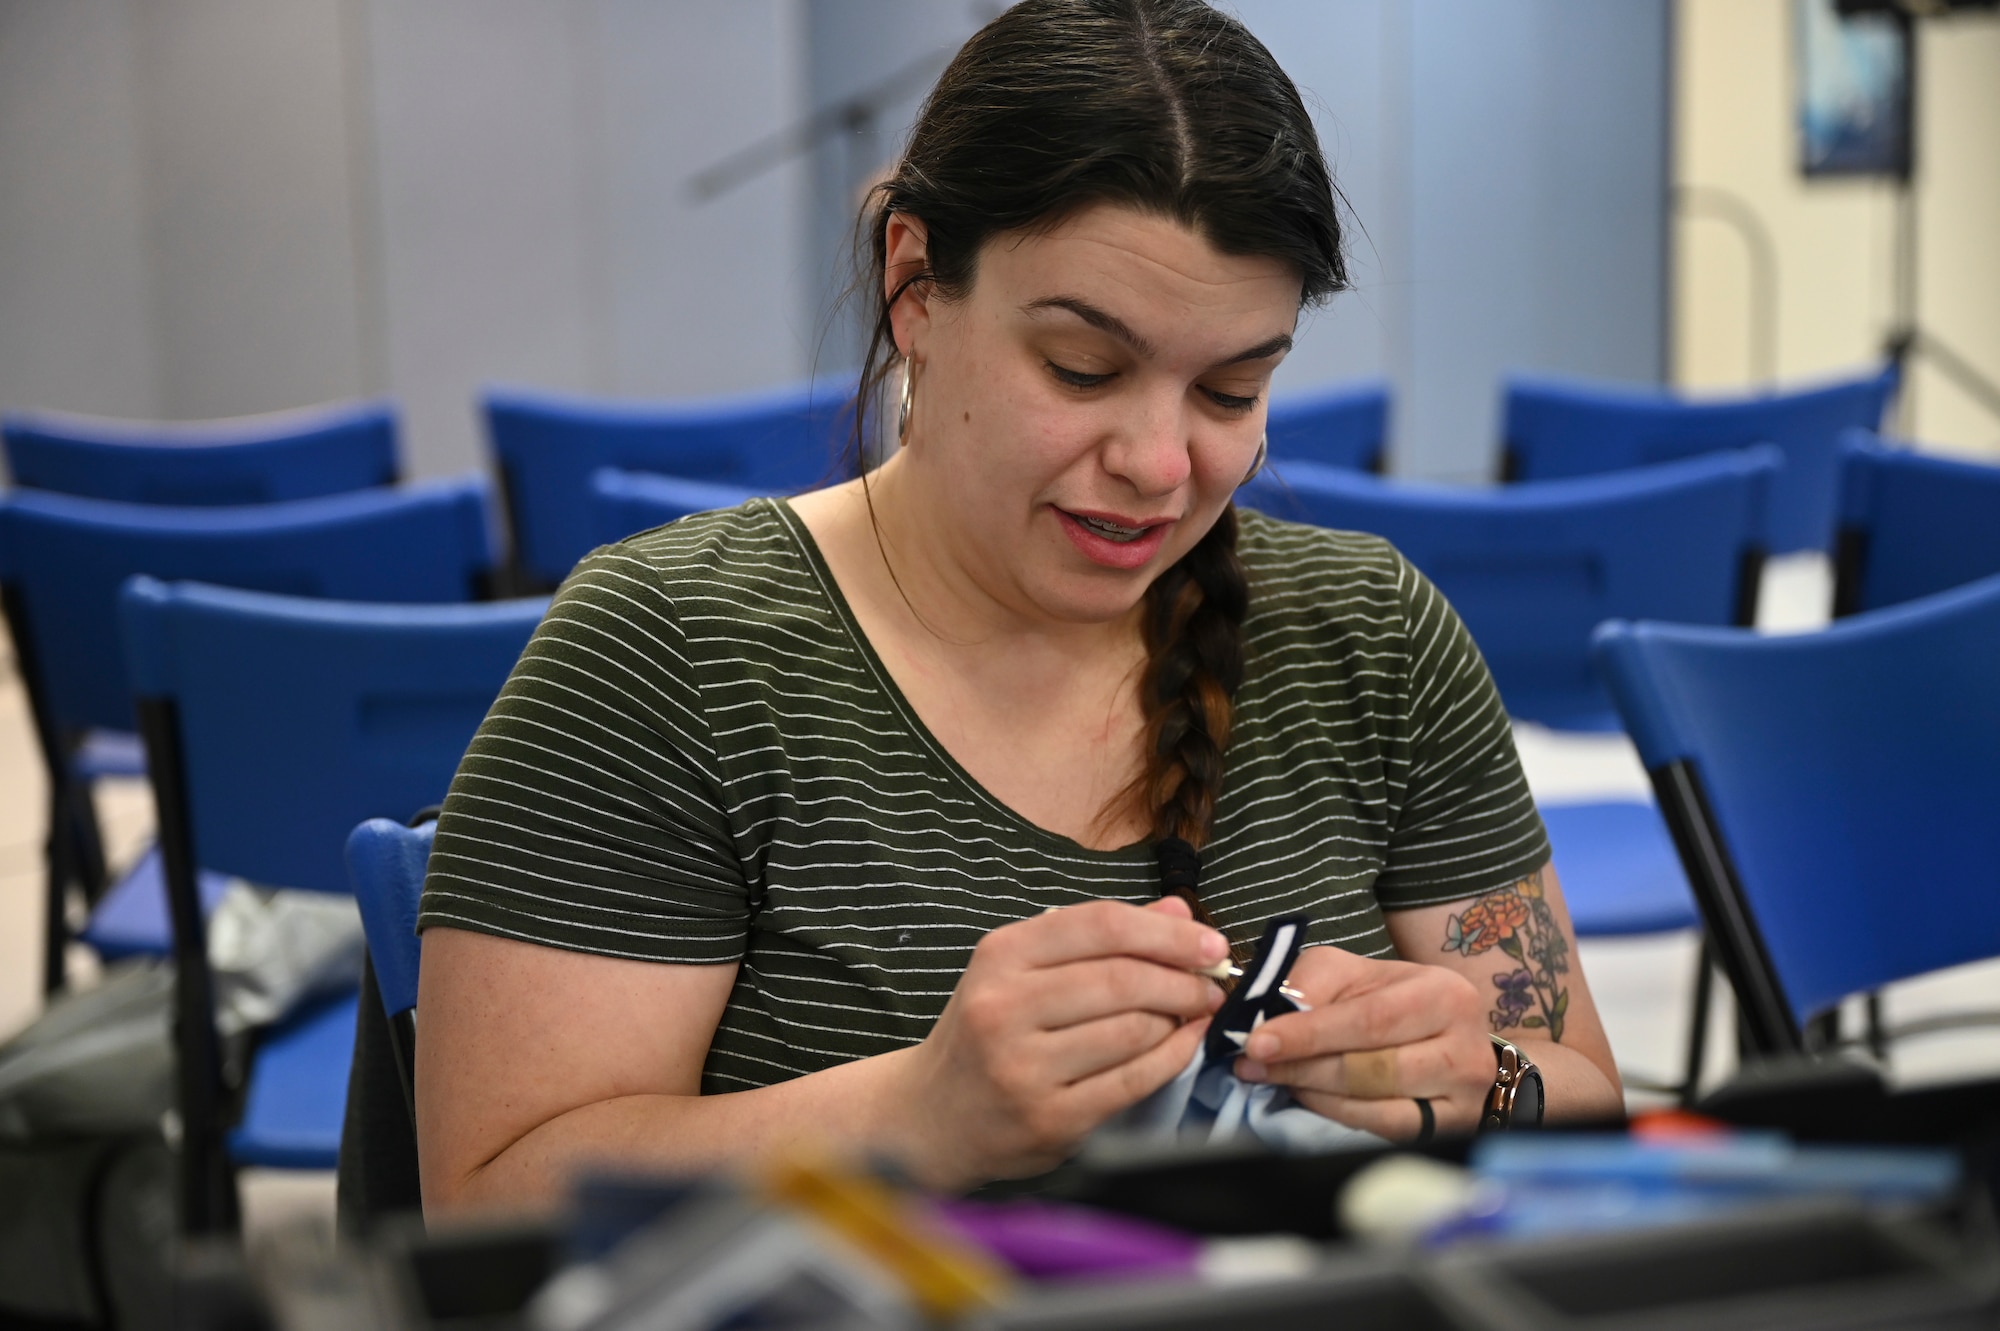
x: 905, y: 253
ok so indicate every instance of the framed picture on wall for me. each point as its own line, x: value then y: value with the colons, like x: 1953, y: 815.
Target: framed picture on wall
x: 1854, y: 105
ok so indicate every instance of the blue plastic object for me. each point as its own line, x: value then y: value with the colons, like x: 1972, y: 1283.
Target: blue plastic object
x: 295, y: 719
x: 624, y: 502
x: 131, y: 920
x: 1533, y: 568
x: 63, y: 559
x: 302, y: 717
x: 1851, y: 777
x: 1618, y: 868
x: 1346, y: 425
x: 548, y: 444
x: 245, y: 460
x: 297, y: 1097
x: 1912, y: 524
x: 1556, y: 428
x: 386, y: 862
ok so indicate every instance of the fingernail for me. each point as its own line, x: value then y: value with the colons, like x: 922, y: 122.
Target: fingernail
x: 1261, y: 1046
x: 1214, y: 947
x: 1215, y: 996
x: 1249, y: 1069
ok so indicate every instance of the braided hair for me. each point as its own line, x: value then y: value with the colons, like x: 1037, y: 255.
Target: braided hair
x: 1175, y: 109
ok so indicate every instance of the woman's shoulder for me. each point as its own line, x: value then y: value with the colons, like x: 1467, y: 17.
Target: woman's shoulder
x: 746, y: 556
x: 1305, y: 574
x: 737, y: 584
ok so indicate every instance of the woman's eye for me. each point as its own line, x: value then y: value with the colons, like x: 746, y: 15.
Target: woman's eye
x: 1075, y: 378
x: 1230, y: 401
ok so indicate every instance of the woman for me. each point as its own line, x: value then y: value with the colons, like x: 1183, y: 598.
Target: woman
x: 758, y: 848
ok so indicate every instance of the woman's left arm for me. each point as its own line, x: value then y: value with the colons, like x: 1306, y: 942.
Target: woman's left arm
x: 1381, y: 1033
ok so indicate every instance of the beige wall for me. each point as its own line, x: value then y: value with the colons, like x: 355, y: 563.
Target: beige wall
x: 1734, y: 133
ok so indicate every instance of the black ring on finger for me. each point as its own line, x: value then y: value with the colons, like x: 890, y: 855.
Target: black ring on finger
x: 1428, y: 1119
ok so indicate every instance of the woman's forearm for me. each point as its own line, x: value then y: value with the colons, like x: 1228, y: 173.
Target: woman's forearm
x: 857, y: 1109
x: 1577, y: 1089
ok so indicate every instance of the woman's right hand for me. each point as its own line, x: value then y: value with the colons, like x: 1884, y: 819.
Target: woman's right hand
x: 1059, y: 1022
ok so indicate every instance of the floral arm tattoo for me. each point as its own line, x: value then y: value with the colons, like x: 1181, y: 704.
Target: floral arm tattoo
x: 1518, y: 921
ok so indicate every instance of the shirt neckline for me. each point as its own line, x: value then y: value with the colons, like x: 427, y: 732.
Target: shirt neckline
x: 1137, y: 852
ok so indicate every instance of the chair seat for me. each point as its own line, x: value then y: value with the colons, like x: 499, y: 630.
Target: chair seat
x: 109, y: 753
x: 298, y: 1090
x: 131, y: 920
x: 1620, y: 873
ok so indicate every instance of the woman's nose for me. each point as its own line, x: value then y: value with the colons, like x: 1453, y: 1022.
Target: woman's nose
x: 1151, y: 451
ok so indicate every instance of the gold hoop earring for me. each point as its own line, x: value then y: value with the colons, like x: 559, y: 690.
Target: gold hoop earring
x: 1263, y: 456
x: 909, y: 395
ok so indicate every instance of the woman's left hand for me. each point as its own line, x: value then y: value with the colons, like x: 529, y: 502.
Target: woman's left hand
x: 1379, y: 1035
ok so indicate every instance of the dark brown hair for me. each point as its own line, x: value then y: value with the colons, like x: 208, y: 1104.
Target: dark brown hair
x: 1173, y: 108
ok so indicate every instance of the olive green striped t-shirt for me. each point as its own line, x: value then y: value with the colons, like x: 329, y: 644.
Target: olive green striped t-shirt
x: 700, y: 759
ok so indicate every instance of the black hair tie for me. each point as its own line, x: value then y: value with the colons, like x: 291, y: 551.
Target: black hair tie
x: 1180, y: 867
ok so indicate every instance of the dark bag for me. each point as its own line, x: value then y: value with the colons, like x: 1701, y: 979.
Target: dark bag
x: 88, y: 1188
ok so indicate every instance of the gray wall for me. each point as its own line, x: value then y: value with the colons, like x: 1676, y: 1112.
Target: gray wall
x: 210, y: 207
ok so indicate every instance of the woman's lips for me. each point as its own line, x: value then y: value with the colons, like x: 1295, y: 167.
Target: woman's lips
x: 1101, y: 549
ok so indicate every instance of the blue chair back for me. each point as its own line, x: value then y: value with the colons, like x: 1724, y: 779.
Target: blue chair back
x: 245, y: 460
x: 1911, y: 524
x: 386, y: 862
x: 1556, y: 429
x: 624, y: 502
x: 1533, y: 568
x: 547, y: 445
x: 1832, y: 793
x: 299, y: 718
x: 63, y: 559
x: 1346, y: 425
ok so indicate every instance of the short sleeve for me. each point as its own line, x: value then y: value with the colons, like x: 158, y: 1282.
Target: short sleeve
x: 587, y: 814
x: 1466, y: 823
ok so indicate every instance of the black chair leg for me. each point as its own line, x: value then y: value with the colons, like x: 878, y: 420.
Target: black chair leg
x: 87, y: 845
x: 1697, y: 1047
x: 57, y: 867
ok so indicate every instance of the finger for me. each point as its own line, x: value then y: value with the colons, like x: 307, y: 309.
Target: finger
x: 1397, y: 1120
x: 1327, y: 974
x: 1104, y: 1093
x: 1086, y: 990
x: 1401, y: 1012
x: 1426, y: 1068
x: 1110, y: 929
x: 1093, y: 1047
x: 1175, y: 906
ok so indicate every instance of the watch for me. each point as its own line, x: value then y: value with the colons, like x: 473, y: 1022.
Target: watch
x: 1516, y: 1099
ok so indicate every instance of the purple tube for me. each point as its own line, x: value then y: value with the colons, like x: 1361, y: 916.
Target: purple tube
x: 1053, y: 1241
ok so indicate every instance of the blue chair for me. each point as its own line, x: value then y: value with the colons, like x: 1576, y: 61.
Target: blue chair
x: 378, y: 1162
x: 244, y: 460
x: 1556, y: 429
x: 1346, y: 425
x: 1832, y: 795
x: 1533, y: 568
x: 62, y: 561
x: 1911, y: 524
x: 275, y: 724
x: 386, y: 861
x: 547, y: 446
x: 624, y: 502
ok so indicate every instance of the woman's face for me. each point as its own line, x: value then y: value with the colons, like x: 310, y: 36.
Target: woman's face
x: 1083, y: 413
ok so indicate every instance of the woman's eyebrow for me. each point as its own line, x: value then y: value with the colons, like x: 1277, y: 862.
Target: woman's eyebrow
x: 1103, y: 320
x: 1108, y: 322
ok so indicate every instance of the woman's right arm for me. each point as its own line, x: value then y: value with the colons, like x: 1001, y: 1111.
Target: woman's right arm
x: 534, y: 1062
